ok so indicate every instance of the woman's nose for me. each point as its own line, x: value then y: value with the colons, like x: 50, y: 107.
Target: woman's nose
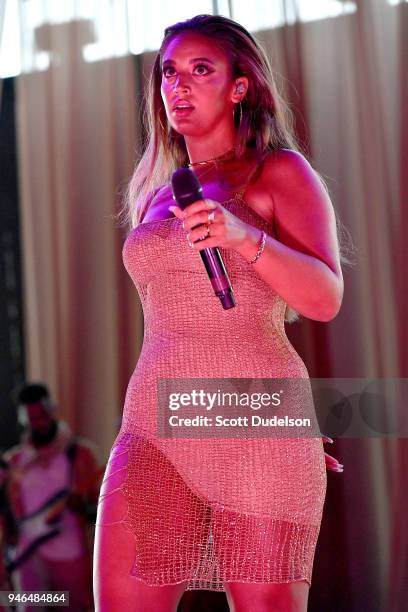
x: 181, y: 84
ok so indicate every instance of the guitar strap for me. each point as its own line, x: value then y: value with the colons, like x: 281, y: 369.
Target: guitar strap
x: 11, y: 565
x: 71, y: 452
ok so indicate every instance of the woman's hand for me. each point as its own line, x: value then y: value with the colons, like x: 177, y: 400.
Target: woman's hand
x: 331, y: 462
x: 226, y: 230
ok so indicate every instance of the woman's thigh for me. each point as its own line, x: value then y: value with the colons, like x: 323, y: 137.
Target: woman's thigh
x: 265, y: 597
x: 115, y: 544
x: 261, y: 556
x: 115, y: 587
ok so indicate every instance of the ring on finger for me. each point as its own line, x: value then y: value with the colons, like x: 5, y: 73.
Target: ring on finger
x: 207, y: 227
x: 211, y: 216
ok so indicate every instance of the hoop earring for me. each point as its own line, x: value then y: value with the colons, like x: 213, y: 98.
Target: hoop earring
x: 240, y: 114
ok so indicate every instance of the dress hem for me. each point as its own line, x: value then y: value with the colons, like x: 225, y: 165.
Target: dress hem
x: 202, y: 587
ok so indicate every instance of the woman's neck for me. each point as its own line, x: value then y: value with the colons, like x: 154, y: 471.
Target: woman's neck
x: 228, y: 173
x: 211, y: 146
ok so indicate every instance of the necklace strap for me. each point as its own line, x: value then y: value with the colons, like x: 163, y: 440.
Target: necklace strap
x: 214, y: 160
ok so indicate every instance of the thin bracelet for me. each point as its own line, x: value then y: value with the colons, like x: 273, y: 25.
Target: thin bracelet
x: 260, y: 248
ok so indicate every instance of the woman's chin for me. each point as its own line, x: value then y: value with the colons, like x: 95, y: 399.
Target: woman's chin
x: 190, y: 131
x: 187, y: 127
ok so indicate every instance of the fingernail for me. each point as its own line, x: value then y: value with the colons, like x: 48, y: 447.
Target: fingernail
x: 172, y: 208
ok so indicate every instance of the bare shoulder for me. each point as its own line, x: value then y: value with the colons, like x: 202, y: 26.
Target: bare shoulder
x: 286, y: 165
x: 303, y: 212
x: 280, y: 171
x: 294, y: 185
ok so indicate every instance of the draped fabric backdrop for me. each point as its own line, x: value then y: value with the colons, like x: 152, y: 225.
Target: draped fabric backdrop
x: 2, y: 15
x: 78, y: 134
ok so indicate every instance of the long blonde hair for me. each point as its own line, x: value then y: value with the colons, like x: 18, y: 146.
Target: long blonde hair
x: 265, y: 123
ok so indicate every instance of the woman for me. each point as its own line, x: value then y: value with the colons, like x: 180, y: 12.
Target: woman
x: 236, y: 515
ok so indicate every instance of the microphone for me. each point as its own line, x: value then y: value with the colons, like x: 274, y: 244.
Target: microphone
x: 186, y: 190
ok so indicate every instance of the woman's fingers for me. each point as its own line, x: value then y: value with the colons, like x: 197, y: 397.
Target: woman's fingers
x: 226, y: 229
x: 191, y: 210
x: 176, y: 210
x: 332, y: 463
x: 195, y: 219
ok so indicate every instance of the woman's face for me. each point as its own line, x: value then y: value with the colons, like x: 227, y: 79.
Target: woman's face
x: 196, y: 75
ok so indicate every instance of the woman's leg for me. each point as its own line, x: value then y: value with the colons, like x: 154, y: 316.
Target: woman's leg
x: 114, y: 586
x: 262, y: 556
x: 158, y: 515
x: 262, y: 597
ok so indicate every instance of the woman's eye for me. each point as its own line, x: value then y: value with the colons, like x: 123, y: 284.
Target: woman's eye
x: 200, y: 67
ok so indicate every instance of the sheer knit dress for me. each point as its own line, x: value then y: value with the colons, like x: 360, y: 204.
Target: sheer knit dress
x: 210, y: 511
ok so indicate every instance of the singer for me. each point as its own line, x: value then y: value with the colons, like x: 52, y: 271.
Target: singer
x: 237, y: 515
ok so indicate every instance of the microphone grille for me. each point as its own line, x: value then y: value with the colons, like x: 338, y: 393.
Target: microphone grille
x: 183, y: 182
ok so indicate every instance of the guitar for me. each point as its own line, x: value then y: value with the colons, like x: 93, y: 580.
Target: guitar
x: 45, y: 522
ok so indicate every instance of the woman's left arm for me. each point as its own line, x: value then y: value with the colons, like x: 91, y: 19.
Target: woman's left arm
x: 303, y: 264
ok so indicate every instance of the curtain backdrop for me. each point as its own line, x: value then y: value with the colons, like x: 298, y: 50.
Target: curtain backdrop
x: 2, y: 15
x: 78, y: 134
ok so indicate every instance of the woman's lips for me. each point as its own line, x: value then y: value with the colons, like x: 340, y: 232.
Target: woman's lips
x: 183, y: 111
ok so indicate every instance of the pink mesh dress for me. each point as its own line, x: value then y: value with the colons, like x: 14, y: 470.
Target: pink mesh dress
x: 210, y: 511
